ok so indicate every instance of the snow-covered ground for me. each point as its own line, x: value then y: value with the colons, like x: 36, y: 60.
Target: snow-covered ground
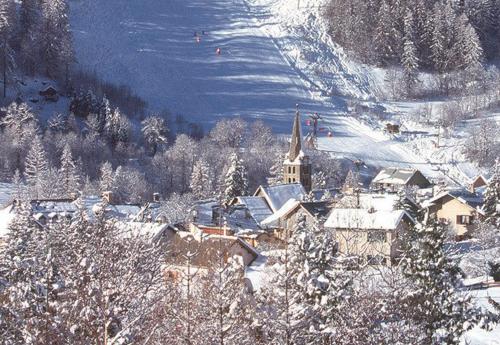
x: 479, y: 336
x: 265, y: 68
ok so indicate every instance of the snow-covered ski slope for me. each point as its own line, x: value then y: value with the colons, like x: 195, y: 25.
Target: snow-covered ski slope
x: 150, y: 45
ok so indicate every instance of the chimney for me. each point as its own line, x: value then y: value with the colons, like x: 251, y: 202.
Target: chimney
x: 107, y: 196
x: 156, y: 197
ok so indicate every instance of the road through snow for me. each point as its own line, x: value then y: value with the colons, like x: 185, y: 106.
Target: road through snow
x: 150, y: 45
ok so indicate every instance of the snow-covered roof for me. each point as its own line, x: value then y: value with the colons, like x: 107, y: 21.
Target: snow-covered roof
x: 123, y: 212
x: 398, y: 176
x: 285, y: 209
x: 473, y: 200
x: 257, y: 207
x: 150, y: 230
x: 50, y: 208
x: 238, y: 218
x: 277, y: 196
x: 363, y: 219
x: 379, y: 202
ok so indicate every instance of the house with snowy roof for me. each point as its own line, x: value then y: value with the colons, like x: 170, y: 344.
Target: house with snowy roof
x: 205, y: 251
x: 477, y: 182
x: 238, y: 218
x: 395, y: 179
x: 314, y: 214
x: 376, y: 201
x: 375, y: 236
x: 457, y: 208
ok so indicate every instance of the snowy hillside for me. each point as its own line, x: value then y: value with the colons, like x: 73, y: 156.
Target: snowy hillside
x: 273, y: 56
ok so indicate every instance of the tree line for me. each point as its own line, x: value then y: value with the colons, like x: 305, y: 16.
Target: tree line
x: 432, y: 35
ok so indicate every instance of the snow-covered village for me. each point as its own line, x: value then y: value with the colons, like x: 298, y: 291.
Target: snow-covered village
x: 285, y: 172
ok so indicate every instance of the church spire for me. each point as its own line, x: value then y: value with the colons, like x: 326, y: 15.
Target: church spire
x: 296, y: 142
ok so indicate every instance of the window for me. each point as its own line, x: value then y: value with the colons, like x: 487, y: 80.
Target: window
x: 376, y: 260
x: 464, y: 220
x: 376, y: 236
x: 289, y: 180
x: 293, y: 169
x: 289, y: 170
x: 294, y: 180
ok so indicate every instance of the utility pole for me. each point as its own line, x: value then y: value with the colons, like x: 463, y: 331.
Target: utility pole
x: 298, y: 4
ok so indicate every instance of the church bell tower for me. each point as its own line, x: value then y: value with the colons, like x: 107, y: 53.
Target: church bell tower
x: 297, y: 166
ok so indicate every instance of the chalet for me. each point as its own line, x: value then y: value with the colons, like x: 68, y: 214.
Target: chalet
x: 49, y: 94
x: 478, y: 182
x: 395, y: 179
x: 373, y: 236
x: 457, y: 208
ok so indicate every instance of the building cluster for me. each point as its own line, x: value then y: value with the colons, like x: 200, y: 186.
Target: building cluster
x: 368, y: 222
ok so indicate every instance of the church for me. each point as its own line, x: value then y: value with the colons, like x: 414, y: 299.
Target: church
x: 297, y: 166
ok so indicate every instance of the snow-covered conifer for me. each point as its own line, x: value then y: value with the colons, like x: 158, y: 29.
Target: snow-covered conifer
x: 154, y: 132
x: 276, y: 171
x: 17, y: 117
x: 409, y: 58
x: 36, y: 168
x: 492, y: 197
x: 434, y: 303
x: 200, y: 179
x: 107, y: 180
x: 55, y: 38
x: 236, y: 182
x: 68, y: 172
x: 467, y: 48
x: 117, y: 127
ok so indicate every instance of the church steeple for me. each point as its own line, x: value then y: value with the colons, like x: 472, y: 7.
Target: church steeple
x: 297, y: 167
x: 296, y: 142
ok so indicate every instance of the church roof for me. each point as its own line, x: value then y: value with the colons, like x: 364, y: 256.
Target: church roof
x: 296, y: 141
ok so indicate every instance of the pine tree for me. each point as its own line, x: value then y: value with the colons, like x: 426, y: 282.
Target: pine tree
x: 433, y: 302
x: 29, y: 34
x: 68, y: 172
x: 276, y: 171
x: 387, y: 37
x: 467, y: 48
x: 323, y: 283
x: 107, y: 180
x: 24, y: 268
x: 154, y: 132
x: 117, y: 127
x: 200, y: 179
x: 56, y: 40
x: 236, y: 182
x: 18, y: 184
x: 7, y: 16
x: 492, y: 197
x: 18, y: 117
x: 36, y: 168
x: 409, y: 59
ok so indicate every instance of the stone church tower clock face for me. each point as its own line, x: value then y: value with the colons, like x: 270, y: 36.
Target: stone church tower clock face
x: 297, y: 165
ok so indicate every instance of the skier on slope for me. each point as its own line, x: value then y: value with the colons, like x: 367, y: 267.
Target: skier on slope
x: 218, y: 51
